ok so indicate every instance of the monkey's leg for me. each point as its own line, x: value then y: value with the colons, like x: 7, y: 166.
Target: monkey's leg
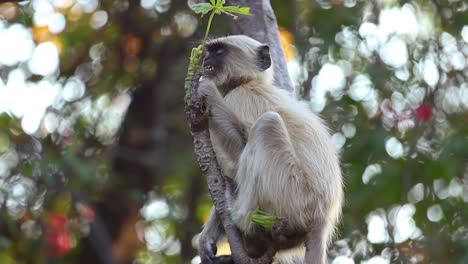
x: 316, y: 247
x: 210, y: 235
x: 265, y: 166
x: 269, y: 178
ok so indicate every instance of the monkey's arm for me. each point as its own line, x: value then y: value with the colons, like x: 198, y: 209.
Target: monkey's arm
x: 223, y: 121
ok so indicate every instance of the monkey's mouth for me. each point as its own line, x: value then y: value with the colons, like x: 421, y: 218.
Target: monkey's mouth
x: 209, y: 68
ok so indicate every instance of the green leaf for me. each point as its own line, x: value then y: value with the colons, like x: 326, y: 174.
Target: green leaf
x: 213, y: 2
x: 263, y: 219
x: 237, y: 10
x: 202, y: 8
x: 220, y: 3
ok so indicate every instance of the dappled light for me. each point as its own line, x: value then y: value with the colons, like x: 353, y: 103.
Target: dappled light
x: 92, y: 132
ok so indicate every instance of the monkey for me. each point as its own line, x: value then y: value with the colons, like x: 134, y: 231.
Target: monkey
x: 275, y: 148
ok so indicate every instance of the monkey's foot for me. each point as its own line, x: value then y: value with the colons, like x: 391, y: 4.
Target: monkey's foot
x: 283, y: 236
x: 279, y: 231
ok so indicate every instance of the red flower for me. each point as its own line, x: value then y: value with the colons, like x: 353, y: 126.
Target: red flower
x: 58, y: 222
x: 59, y: 236
x: 60, y: 242
x: 424, y: 112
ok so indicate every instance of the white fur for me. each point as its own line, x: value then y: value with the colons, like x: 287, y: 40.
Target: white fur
x: 289, y: 166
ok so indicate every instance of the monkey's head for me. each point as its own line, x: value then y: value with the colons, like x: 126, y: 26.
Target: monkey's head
x: 236, y: 59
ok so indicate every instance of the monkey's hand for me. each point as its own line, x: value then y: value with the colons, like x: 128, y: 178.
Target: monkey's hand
x: 208, y: 90
x: 208, y: 251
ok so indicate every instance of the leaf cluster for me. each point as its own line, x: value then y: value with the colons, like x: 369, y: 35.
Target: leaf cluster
x: 217, y: 7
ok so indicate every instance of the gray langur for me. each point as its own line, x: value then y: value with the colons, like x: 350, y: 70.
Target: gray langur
x: 277, y: 151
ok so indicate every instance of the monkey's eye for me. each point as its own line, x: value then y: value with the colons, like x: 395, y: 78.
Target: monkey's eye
x: 219, y: 51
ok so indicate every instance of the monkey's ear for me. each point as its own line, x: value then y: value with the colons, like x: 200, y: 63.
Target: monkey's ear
x: 263, y: 58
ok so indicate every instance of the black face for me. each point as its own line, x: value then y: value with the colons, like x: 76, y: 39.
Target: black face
x: 215, y: 54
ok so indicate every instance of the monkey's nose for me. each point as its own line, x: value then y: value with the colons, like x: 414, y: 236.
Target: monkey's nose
x: 208, y: 60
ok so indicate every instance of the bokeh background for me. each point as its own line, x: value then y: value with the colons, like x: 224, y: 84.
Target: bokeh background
x: 97, y: 163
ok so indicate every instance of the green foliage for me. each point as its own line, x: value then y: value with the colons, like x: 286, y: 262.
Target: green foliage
x: 194, y: 63
x: 217, y: 7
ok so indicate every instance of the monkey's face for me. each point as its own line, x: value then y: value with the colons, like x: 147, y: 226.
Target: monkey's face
x: 214, y: 60
x: 230, y: 59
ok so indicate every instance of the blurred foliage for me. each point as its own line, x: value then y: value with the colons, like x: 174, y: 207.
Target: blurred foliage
x: 95, y: 156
